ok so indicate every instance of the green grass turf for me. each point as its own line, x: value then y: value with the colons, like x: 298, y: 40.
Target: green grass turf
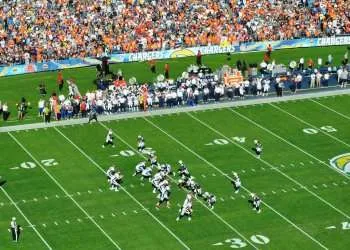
x: 15, y: 87
x: 304, y: 194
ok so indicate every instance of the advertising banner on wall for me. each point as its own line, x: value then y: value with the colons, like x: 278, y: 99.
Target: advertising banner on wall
x: 174, y: 53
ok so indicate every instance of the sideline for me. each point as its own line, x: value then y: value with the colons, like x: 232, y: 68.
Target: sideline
x: 226, y: 104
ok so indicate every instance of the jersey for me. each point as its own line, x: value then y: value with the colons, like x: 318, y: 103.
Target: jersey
x: 140, y: 167
x: 110, y: 172
x: 109, y: 136
x: 147, y: 172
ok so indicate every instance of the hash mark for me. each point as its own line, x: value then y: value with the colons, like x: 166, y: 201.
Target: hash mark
x: 46, y: 198
x: 282, y: 166
x: 273, y: 192
x: 100, y: 190
x: 124, y: 213
x: 292, y: 165
x: 55, y: 223
x: 113, y: 214
x: 44, y: 225
x: 284, y: 191
x: 335, y: 184
x: 233, y: 198
x: 311, y: 162
x: 89, y: 191
x: 213, y: 174
x: 222, y: 199
x: 253, y: 169
x: 79, y: 220
x: 263, y: 169
x: 301, y: 163
x: 101, y: 216
x: 324, y: 185
x: 345, y: 182
x: 67, y: 221
x: 57, y: 196
x: 295, y: 190
x: 78, y: 193
x: 314, y: 186
x: 203, y: 176
x: 135, y: 211
x: 242, y: 196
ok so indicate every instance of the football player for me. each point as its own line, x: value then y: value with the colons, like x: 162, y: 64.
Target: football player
x: 256, y: 202
x: 211, y: 201
x: 139, y: 168
x: 109, y: 139
x: 164, y: 195
x: 258, y: 148
x: 153, y: 160
x: 140, y: 143
x: 115, y: 181
x: 183, y: 170
x: 110, y: 172
x: 236, y: 182
x: 157, y: 178
x: 166, y: 168
x: 186, y: 209
x: 198, y: 190
x: 146, y: 174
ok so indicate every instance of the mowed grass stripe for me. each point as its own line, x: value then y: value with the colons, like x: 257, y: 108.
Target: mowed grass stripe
x: 198, y: 237
x: 214, y: 167
x: 130, y: 195
x: 66, y: 193
x: 309, y: 124
x: 24, y: 184
x: 77, y: 174
x: 26, y: 218
x: 289, y: 143
x: 214, y: 213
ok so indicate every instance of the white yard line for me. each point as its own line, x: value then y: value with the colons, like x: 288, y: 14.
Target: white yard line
x: 289, y: 143
x: 244, y: 188
x: 25, y: 217
x: 330, y: 109
x: 130, y: 195
x: 309, y: 124
x: 272, y: 167
x: 65, y: 192
x: 210, y: 210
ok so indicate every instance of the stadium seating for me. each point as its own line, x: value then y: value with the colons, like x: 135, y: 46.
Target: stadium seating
x: 35, y: 31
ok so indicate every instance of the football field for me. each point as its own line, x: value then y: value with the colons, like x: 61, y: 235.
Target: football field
x: 57, y: 189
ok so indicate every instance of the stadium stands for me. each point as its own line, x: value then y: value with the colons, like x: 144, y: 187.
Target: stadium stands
x: 35, y: 31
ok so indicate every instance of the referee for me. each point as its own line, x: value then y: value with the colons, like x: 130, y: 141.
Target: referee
x: 15, y: 229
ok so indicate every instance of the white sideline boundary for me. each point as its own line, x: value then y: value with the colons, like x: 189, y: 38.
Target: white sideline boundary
x: 227, y: 104
x: 25, y: 217
x: 65, y: 192
x: 130, y: 195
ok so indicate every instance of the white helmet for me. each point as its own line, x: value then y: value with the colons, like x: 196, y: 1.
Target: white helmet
x: 180, y: 162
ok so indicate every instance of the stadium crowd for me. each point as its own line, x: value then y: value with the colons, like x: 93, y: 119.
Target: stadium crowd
x: 35, y: 31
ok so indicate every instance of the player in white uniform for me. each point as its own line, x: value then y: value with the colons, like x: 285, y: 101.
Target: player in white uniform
x: 166, y: 168
x: 153, y: 160
x: 256, y: 202
x: 147, y: 174
x: 139, y: 168
x: 186, y: 209
x: 236, y: 182
x: 109, y: 139
x: 110, y: 172
x: 157, y: 178
x: 115, y: 181
x: 140, y: 143
x: 258, y: 148
x: 183, y: 170
x: 164, y: 194
x: 211, y: 201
